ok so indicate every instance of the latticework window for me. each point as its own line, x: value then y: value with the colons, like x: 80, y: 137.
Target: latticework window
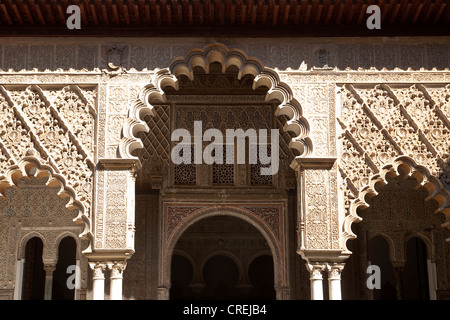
x: 256, y: 178
x: 224, y: 173
x: 185, y: 174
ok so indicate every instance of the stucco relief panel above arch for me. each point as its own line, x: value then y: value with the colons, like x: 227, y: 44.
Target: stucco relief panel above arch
x: 392, y: 130
x: 56, y: 126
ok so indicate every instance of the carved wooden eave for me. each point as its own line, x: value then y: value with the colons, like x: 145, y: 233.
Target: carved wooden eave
x: 195, y: 17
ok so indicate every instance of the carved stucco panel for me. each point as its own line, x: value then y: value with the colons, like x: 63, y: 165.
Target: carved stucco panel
x: 317, y: 209
x: 116, y: 208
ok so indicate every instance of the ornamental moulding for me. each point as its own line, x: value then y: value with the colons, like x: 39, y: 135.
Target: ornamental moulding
x: 297, y: 125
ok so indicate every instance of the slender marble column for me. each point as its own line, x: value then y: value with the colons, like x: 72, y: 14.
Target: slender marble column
x: 334, y: 280
x: 98, y: 286
x: 316, y: 279
x: 116, y: 278
x: 49, y: 268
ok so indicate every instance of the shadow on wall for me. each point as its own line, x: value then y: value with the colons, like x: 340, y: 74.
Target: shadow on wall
x: 295, y: 54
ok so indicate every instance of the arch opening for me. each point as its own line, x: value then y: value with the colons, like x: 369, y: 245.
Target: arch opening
x: 222, y: 263
x: 34, y: 274
x: 415, y: 274
x: 62, y: 288
x: 399, y: 233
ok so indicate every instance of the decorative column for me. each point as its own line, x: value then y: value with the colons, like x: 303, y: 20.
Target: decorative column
x: 316, y: 279
x: 49, y: 267
x: 113, y: 223
x: 319, y: 223
x: 98, y: 286
x: 116, y: 278
x: 334, y: 280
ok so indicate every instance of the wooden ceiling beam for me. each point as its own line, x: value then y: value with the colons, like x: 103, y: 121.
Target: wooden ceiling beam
x: 406, y: 10
x: 298, y: 10
x: 123, y: 11
x: 307, y: 13
x: 420, y: 6
x: 21, y: 7
x: 318, y: 12
x: 395, y: 10
x: 447, y: 13
x: 439, y: 12
x: 343, y: 11
x: 276, y: 11
x: 350, y: 12
x: 6, y: 13
x: 38, y: 12
x: 362, y: 12
x: 226, y: 13
x: 44, y: 5
x: 329, y: 12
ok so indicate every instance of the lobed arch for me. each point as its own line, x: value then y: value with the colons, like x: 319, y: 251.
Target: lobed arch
x: 406, y: 167
x: 30, y: 167
x: 296, y: 125
x: 275, y: 246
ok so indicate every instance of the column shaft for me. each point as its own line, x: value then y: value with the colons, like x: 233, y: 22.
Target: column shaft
x: 98, y: 281
x: 116, y: 279
x: 49, y: 268
x: 316, y: 279
x: 334, y: 280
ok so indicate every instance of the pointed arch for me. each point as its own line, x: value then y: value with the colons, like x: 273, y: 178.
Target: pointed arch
x: 296, y: 124
x: 31, y: 167
x: 401, y: 166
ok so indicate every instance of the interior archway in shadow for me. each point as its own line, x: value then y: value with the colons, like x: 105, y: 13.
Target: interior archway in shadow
x: 221, y: 249
x: 34, y: 273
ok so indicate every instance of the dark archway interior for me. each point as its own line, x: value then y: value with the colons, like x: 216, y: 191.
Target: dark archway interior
x: 34, y: 273
x: 415, y: 273
x: 182, y: 273
x: 66, y: 258
x: 261, y: 276
x: 400, y: 208
x: 221, y: 277
x: 379, y: 256
x: 211, y: 242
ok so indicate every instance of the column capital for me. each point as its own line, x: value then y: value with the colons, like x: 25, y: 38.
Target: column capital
x: 334, y: 270
x: 117, y: 268
x: 49, y: 266
x: 99, y: 269
x: 315, y: 269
